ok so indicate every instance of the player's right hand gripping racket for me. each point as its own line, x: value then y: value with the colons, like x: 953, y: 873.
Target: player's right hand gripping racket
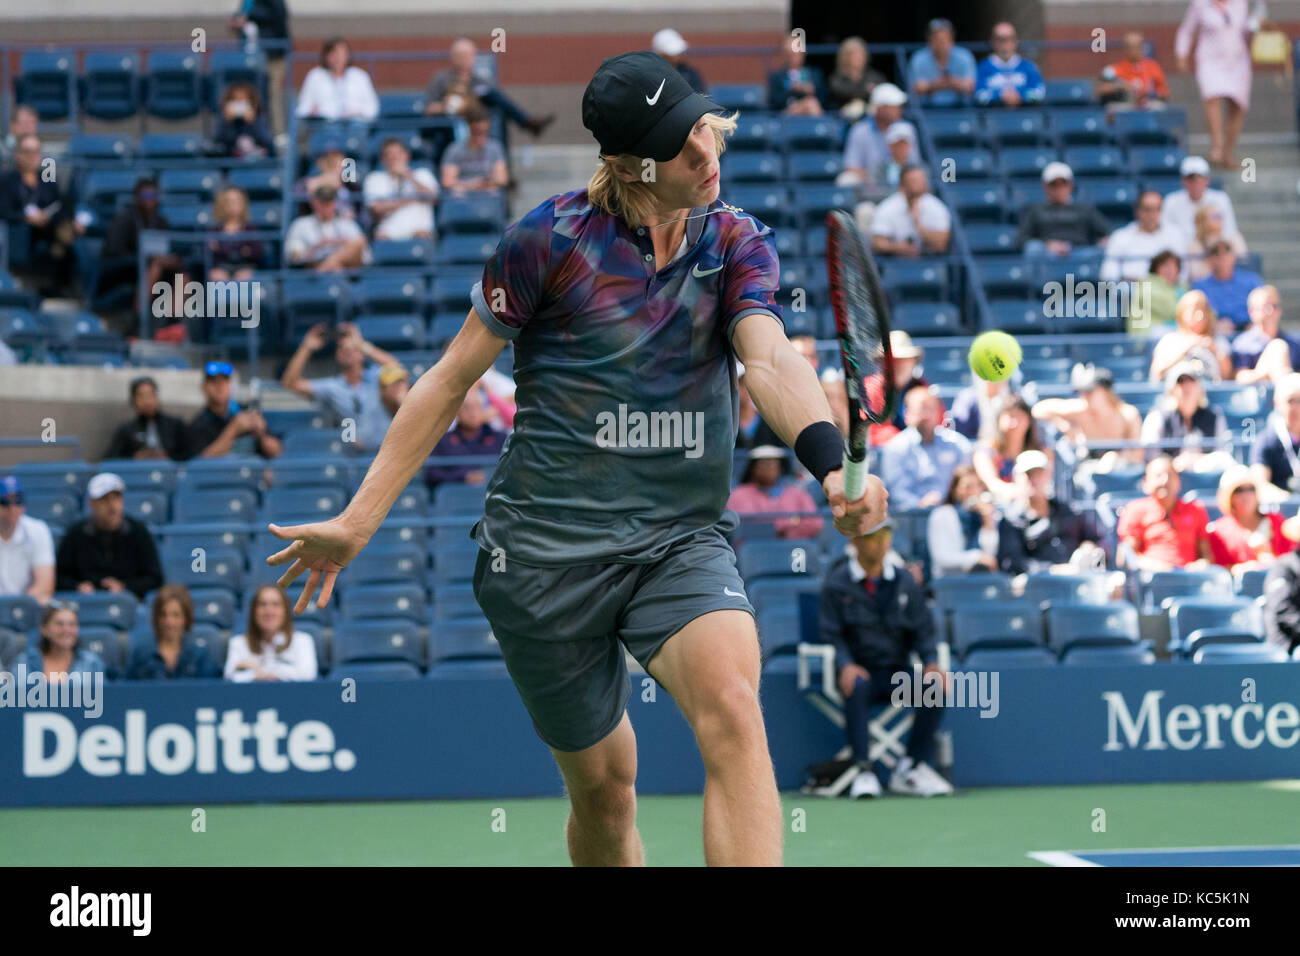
x: 862, y: 323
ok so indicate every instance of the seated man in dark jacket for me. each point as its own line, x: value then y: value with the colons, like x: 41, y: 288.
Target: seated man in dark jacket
x: 108, y: 551
x: 40, y: 220
x: 150, y: 434
x: 1036, y: 531
x: 874, y: 614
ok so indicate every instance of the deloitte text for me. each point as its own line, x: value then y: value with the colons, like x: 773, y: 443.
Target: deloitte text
x: 626, y: 429
x: 1208, y: 727
x: 52, y: 745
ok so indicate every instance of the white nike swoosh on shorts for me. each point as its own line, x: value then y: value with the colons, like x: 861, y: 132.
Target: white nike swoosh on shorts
x: 731, y: 593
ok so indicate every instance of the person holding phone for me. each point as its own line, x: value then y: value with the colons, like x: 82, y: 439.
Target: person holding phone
x: 28, y: 198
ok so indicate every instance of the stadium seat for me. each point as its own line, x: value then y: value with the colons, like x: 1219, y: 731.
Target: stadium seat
x: 235, y: 66
x: 812, y: 133
x: 58, y: 507
x: 1157, y: 587
x: 260, y: 182
x: 402, y: 252
x: 1087, y: 161
x: 61, y: 476
x: 455, y: 602
x: 752, y: 167
x: 465, y: 249
x: 739, y: 96
x: 996, y: 624
x: 770, y: 204
x: 969, y: 164
x: 109, y: 644
x: 193, y: 185
x: 1205, y: 636
x: 1113, y: 656
x: 395, y: 640
x: 387, y: 565
x: 221, y: 473
x: 951, y: 593
x: 393, y: 331
x: 303, y: 503
x: 1114, y: 198
x: 106, y: 189
x: 169, y: 146
x: 215, y: 505
x: 216, y: 536
x: 1082, y: 127
x: 173, y: 85
x: 385, y: 601
x: 216, y: 606
x: 144, y: 474
x: 451, y: 498
x: 459, y: 641
x: 103, y: 608
x: 454, y: 562
x: 1064, y: 589
x: 815, y: 166
x: 761, y: 559
x: 1025, y: 126
x: 910, y: 280
x: 990, y: 238
x: 395, y: 533
x: 1005, y: 277
x: 927, y: 318
x: 981, y: 201
x: 300, y: 472
x: 1155, y: 160
x: 18, y: 612
x: 1115, y: 622
x: 780, y: 630
x: 45, y: 82
x: 316, y: 441
x: 954, y: 128
x: 754, y: 131
x: 1156, y: 127
x: 997, y: 659
x: 1250, y: 584
x: 1068, y: 92
x: 775, y: 592
x: 216, y: 568
x: 21, y: 327
x: 377, y: 671
x: 472, y: 214
x: 1240, y: 654
x: 1189, y: 616
x: 1016, y: 316
x: 110, y: 85
x: 148, y: 506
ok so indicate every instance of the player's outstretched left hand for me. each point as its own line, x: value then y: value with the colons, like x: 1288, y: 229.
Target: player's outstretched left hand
x: 853, y: 518
x: 323, y: 548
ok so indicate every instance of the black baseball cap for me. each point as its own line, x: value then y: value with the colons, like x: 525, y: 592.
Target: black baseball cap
x: 638, y: 103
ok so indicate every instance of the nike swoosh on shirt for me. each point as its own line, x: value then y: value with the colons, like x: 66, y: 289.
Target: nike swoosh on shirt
x: 731, y: 593
x: 707, y: 272
x: 652, y: 101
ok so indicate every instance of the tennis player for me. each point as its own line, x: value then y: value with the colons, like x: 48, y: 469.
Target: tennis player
x: 605, y: 523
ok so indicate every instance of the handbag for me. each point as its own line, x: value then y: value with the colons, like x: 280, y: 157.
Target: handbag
x: 1270, y: 48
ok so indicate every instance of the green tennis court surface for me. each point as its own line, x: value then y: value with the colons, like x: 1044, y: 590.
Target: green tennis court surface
x: 991, y: 827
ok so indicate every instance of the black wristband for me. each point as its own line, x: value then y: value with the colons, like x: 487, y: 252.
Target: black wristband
x: 820, y: 449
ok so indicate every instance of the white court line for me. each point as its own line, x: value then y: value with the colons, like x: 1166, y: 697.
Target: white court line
x: 1059, y: 858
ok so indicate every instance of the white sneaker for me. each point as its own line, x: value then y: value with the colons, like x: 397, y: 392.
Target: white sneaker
x: 864, y: 784
x: 919, y: 781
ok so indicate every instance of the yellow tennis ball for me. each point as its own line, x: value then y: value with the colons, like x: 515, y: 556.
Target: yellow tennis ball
x: 994, y: 356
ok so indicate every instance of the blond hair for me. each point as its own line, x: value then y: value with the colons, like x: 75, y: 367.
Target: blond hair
x: 634, y: 202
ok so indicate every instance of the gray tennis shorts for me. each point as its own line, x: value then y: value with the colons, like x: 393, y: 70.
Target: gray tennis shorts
x: 562, y: 630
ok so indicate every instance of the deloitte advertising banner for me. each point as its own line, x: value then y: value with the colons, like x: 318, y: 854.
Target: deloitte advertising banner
x: 467, y: 735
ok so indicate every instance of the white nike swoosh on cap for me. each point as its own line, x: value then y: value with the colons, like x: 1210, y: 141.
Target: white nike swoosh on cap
x: 707, y: 272
x: 652, y: 101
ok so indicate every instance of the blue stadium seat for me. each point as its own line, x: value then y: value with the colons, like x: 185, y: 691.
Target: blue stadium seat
x: 981, y: 201
x: 911, y: 280
x: 780, y: 630
x: 12, y: 297
x: 455, y: 602
x: 109, y: 644
x: 955, y: 128
x: 754, y: 131
x: 1250, y: 584
x: 110, y: 85
x: 996, y: 624
x: 105, y: 189
x: 404, y: 106
x: 739, y: 96
x: 303, y: 503
x: 454, y: 562
x: 1081, y: 127
x: 1240, y: 654
x: 457, y: 499
x: 235, y: 66
x: 1114, y: 198
x: 990, y: 238
x: 458, y: 641
x: 69, y: 476
x: 151, y: 507
x: 1025, y: 126
x: 45, y: 82
x: 1156, y: 587
x: 222, y: 536
x: 1066, y: 589
x: 752, y: 167
x: 388, y: 294
x: 187, y: 215
x: 169, y: 146
x: 1017, y: 317
x: 815, y: 166
x: 1115, y: 622
x: 215, y: 505
x: 443, y: 327
x: 774, y: 592
x: 214, y: 568
x: 395, y: 640
x: 473, y: 214
x: 302, y: 472
x: 387, y: 566
x: 18, y: 612
x: 1081, y: 263
x: 221, y: 473
x: 812, y: 133
x: 216, y: 606
x: 971, y: 163
x: 1118, y: 655
x: 377, y: 671
x: 385, y: 601
x: 997, y: 659
x: 951, y: 593
x: 1151, y: 127
x: 1076, y: 92
x: 265, y: 214
x: 307, y: 300
x: 1189, y: 616
x: 144, y: 474
x: 1087, y: 161
x: 927, y: 318
x: 769, y: 204
x: 316, y: 442
x: 173, y: 85
x: 103, y: 608
x: 393, y: 331
x: 401, y: 252
x: 465, y: 249
x: 194, y: 185
x: 1156, y: 160
x: 760, y: 559
x: 58, y: 507
x: 1007, y: 277
x: 20, y: 327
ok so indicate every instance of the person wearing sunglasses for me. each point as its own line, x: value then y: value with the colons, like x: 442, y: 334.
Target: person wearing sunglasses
x: 1245, y: 537
x: 1005, y: 78
x: 222, y: 427
x: 26, y: 546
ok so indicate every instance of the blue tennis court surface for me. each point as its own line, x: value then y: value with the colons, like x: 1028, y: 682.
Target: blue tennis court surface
x: 1175, y: 856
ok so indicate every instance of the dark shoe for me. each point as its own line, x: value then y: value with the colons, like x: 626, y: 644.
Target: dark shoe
x: 538, y: 126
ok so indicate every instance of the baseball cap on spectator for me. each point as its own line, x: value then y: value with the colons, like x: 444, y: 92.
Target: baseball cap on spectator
x: 939, y: 23
x: 1084, y: 378
x: 1057, y: 170
x: 1194, y: 166
x: 213, y: 369
x: 668, y: 42
x: 1191, y: 369
x: 11, y: 487
x: 390, y: 373
x: 104, y: 483
x: 1027, y: 461
x: 1217, y: 243
x: 766, y: 451
x: 902, y: 346
x: 324, y: 193
x: 897, y: 131
x: 886, y: 94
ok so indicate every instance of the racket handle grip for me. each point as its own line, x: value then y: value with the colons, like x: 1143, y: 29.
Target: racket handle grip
x: 855, y: 478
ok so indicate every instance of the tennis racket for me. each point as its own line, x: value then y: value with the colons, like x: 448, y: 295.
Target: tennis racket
x: 862, y: 324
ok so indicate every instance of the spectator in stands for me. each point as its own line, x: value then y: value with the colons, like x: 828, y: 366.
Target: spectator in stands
x: 1194, y: 339
x: 1227, y: 286
x: 109, y: 551
x: 837, y: 396
x: 337, y: 90
x: 876, y: 618
x: 271, y: 649
x: 1186, y: 416
x: 1005, y: 78
x: 470, y: 434
x: 171, y: 656
x: 1136, y: 82
x: 766, y: 488
x: 232, y: 257
x: 150, y: 433
x: 907, y: 376
x: 354, y: 393
x: 221, y: 428
x: 975, y: 408
x: 1219, y: 28
x: 23, y: 121
x: 1037, y: 532
x: 324, y: 241
x: 1181, y: 205
x: 796, y: 90
x: 1162, y: 289
x: 749, y: 420
x: 1096, y: 415
x: 1209, y: 232
x: 854, y: 78
x: 1264, y: 352
x: 120, y: 266
x: 962, y: 533
x: 270, y: 19
x: 26, y: 546
x: 995, y: 460
x: 941, y: 72
x: 867, y: 154
x: 670, y: 45
x: 1245, y: 538
x: 1130, y: 248
x: 332, y: 169
x: 1059, y: 225
x: 477, y: 164
x: 917, y: 463
x: 1282, y: 595
x: 31, y: 198
x: 1162, y: 532
x: 394, y: 383
x: 459, y: 88
x: 400, y: 198
x: 1275, y: 455
x: 241, y: 132
x: 912, y: 221
x: 58, y: 652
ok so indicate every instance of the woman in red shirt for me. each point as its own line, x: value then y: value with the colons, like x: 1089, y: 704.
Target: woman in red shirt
x: 1245, y: 538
